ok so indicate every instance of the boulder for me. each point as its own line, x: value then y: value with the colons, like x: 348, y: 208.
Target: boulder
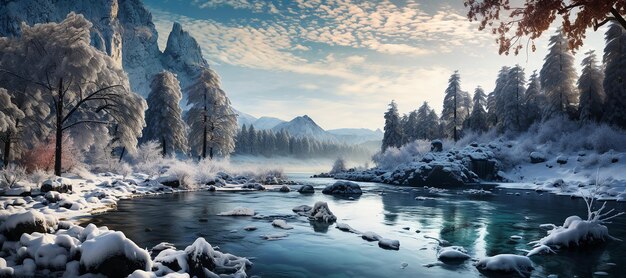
x: 170, y: 181
x: 561, y: 159
x: 199, y: 257
x: 255, y: 186
x: 436, y: 146
x: 343, y: 188
x: 27, y: 222
x: 285, y: 188
x: 537, y: 157
x: 113, y: 255
x: 55, y: 185
x: 306, y: 189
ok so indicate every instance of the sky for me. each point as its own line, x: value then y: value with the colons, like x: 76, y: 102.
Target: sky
x: 343, y: 61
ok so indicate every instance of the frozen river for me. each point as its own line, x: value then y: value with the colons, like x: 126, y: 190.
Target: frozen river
x: 481, y: 224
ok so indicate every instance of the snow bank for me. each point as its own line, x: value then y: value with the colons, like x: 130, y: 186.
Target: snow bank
x: 506, y: 263
x: 239, y: 211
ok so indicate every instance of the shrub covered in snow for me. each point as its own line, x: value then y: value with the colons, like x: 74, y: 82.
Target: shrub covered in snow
x: 392, y: 157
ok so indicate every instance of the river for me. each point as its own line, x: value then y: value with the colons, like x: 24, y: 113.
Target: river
x: 481, y: 224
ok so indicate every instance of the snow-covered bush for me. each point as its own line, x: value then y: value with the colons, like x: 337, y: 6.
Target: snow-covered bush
x: 338, y: 166
x: 183, y: 171
x: 148, y: 158
x: 392, y: 157
x: 11, y: 174
x: 576, y: 231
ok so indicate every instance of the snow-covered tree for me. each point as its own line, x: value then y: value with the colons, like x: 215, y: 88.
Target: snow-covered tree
x: 498, y: 95
x: 82, y: 86
x: 212, y: 122
x: 512, y: 97
x: 10, y: 115
x: 534, y: 100
x: 591, y: 89
x: 492, y: 118
x: 393, y: 128
x: 558, y: 78
x: 410, y: 127
x: 478, y: 118
x: 164, y: 121
x: 339, y: 166
x: 615, y: 76
x: 454, y: 106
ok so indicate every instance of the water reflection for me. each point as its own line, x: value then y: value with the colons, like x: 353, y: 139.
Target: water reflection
x: 481, y: 224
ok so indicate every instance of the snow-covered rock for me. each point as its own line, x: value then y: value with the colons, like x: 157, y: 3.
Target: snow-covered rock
x: 28, y: 222
x: 57, y: 185
x: 343, y: 188
x: 346, y: 228
x: 239, y: 211
x: 506, y: 263
x: 370, y: 236
x: 452, y: 253
x: 280, y: 223
x: 537, y: 157
x: 390, y: 244
x: 321, y: 212
x: 113, y: 255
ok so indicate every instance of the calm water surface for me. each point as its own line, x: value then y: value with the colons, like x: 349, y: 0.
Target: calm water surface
x: 481, y: 224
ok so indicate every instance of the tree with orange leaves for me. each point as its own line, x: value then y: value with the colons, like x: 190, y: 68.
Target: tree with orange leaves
x: 511, y: 23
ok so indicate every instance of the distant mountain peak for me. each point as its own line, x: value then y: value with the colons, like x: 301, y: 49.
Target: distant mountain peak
x: 183, y: 50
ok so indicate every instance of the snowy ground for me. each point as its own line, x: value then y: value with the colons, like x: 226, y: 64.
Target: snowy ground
x: 578, y: 174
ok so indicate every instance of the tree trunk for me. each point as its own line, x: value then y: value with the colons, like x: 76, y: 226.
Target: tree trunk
x: 211, y: 153
x: 58, y: 151
x: 122, y: 154
x: 618, y: 17
x: 204, y: 143
x: 7, y: 150
x: 164, y: 146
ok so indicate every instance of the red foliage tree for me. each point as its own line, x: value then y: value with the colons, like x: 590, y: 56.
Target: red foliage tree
x: 511, y: 23
x: 41, y: 155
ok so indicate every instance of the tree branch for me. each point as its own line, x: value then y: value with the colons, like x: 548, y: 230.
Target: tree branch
x: 85, y: 122
x: 82, y: 101
x: 618, y: 17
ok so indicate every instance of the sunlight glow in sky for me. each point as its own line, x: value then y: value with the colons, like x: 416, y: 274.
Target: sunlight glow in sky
x: 342, y: 61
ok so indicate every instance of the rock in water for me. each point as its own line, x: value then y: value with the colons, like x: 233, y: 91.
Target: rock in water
x: 306, y: 189
x: 343, y: 188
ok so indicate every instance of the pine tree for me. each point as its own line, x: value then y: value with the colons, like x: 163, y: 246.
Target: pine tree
x: 410, y: 127
x: 558, y: 77
x: 393, y: 129
x: 492, y: 118
x: 164, y: 121
x: 478, y: 118
x: 498, y: 95
x: 591, y: 90
x: 615, y: 76
x: 454, y: 111
x: 512, y: 97
x: 534, y: 100
x: 212, y: 122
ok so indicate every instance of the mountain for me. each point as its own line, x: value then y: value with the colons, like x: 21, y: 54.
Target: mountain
x: 244, y: 119
x: 121, y: 28
x: 304, y: 126
x: 356, y: 135
x: 267, y: 123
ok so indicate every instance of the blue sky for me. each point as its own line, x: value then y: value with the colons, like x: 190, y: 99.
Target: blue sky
x: 342, y: 61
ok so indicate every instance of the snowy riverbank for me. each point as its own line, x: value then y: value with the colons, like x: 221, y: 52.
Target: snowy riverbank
x: 40, y: 234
